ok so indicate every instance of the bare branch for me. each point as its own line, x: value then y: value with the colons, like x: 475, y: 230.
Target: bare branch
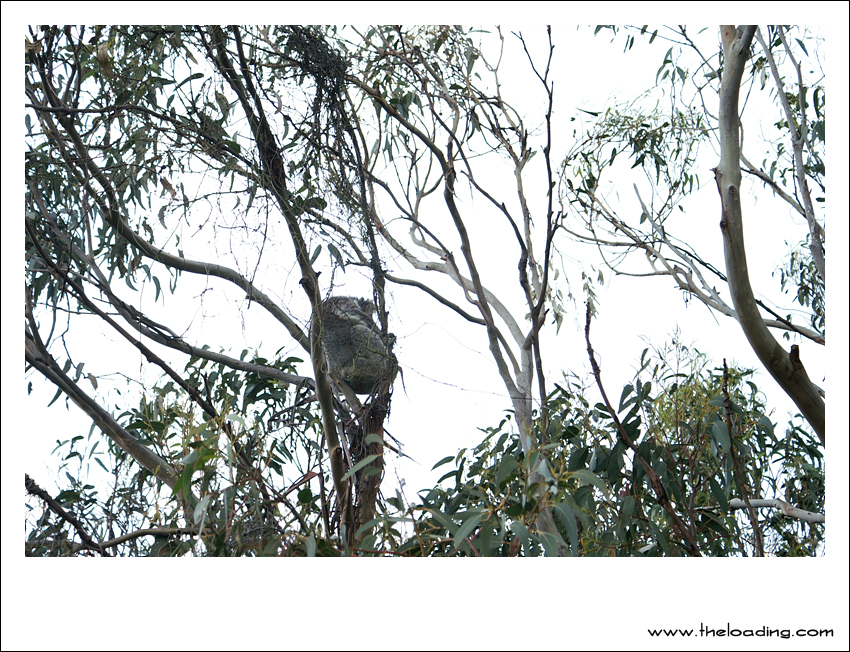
x: 798, y: 138
x: 786, y: 508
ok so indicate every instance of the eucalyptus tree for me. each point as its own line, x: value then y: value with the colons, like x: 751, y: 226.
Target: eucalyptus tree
x: 124, y: 125
x: 118, y: 121
x: 323, y: 150
x: 700, y: 72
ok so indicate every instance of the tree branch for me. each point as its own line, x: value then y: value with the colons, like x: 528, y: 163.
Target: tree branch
x: 798, y: 137
x: 791, y: 377
x: 654, y: 480
x: 34, y: 490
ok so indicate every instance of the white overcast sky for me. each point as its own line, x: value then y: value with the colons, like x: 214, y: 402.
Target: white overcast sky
x: 450, y: 384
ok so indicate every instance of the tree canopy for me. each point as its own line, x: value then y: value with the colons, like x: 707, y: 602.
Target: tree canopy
x: 272, y: 161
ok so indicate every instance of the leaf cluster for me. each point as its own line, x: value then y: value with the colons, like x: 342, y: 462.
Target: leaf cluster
x: 602, y: 498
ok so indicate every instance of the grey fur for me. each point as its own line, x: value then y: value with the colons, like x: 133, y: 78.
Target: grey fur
x: 355, y: 349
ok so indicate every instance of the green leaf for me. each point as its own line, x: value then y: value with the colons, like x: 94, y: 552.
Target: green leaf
x: 57, y: 395
x: 201, y: 508
x: 444, y: 520
x: 552, y: 543
x: 767, y: 424
x: 667, y: 60
x: 238, y: 419
x: 578, y: 458
x: 659, y: 536
x: 364, y: 462
x: 305, y: 495
x: 514, y: 510
x: 197, y: 75
x: 223, y: 104
x: 365, y: 528
x: 816, y: 98
x: 566, y: 516
x: 716, y: 524
x: 628, y: 389
x: 336, y: 255
x: 506, y: 466
x: 445, y: 460
x: 474, y: 517
x: 316, y: 253
x: 591, y: 478
x: 721, y: 434
x: 190, y: 458
x: 719, y: 494
x: 450, y: 474
x: 522, y: 533
x: 271, y: 547
x: 628, y: 508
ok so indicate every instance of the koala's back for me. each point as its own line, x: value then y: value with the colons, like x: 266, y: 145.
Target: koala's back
x: 355, y: 350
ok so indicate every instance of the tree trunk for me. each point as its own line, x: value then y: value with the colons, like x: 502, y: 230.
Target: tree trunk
x: 790, y: 374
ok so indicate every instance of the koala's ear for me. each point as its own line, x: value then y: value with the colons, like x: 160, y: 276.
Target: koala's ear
x: 366, y: 305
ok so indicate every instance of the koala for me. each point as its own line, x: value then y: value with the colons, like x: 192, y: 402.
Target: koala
x: 355, y: 349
